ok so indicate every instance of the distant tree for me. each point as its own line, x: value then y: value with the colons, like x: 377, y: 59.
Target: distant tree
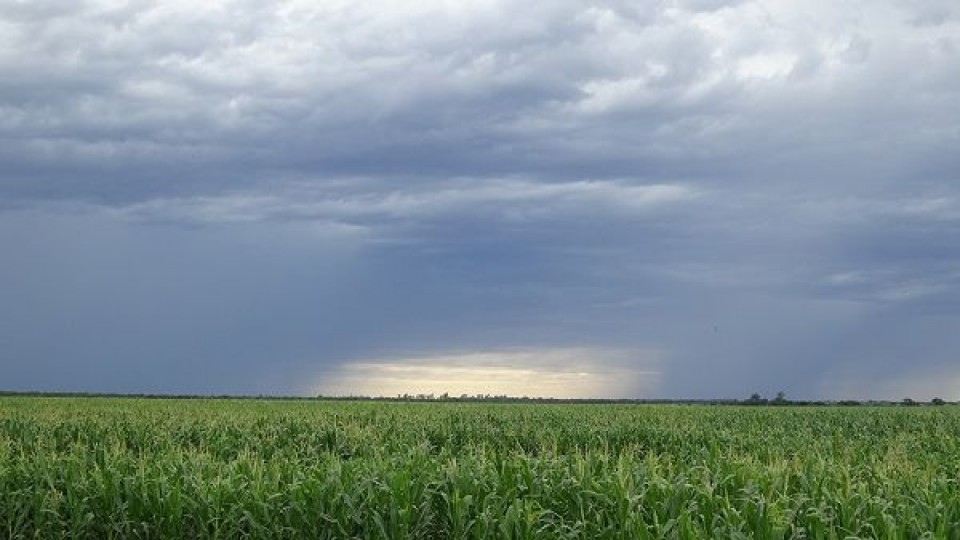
x: 780, y: 399
x: 755, y: 399
x: 908, y: 402
x: 937, y: 401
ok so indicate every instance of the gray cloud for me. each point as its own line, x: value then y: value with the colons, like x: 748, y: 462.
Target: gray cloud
x: 238, y: 197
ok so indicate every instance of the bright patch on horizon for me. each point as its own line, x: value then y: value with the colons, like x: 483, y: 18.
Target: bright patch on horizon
x: 559, y: 373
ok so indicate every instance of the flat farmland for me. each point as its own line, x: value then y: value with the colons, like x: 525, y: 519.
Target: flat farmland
x: 164, y: 468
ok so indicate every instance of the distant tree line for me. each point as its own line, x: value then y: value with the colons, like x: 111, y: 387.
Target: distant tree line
x: 755, y: 399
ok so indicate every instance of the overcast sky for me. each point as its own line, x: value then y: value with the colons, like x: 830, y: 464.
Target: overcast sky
x: 686, y: 199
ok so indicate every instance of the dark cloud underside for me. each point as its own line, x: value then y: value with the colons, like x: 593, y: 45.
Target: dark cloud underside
x: 701, y: 198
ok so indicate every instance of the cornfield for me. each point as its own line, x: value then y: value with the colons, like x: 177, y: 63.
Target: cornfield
x: 142, y: 468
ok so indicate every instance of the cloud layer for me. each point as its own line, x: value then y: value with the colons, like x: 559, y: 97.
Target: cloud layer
x: 238, y: 197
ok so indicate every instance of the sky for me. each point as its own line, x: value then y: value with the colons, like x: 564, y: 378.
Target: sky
x: 663, y: 199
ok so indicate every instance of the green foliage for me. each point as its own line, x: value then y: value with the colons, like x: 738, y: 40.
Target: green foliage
x: 129, y: 468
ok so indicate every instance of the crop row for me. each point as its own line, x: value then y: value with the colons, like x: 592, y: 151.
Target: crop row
x: 111, y: 468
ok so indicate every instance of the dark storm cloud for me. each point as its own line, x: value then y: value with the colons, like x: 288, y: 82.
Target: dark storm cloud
x: 244, y: 197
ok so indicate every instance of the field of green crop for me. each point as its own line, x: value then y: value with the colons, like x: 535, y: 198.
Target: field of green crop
x: 129, y: 468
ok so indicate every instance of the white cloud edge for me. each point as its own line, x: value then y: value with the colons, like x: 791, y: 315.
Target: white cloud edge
x: 497, y: 195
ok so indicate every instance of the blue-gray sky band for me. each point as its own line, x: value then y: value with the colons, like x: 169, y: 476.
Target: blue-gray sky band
x: 662, y: 199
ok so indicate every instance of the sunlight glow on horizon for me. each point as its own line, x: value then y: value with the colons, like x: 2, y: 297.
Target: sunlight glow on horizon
x: 557, y: 373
